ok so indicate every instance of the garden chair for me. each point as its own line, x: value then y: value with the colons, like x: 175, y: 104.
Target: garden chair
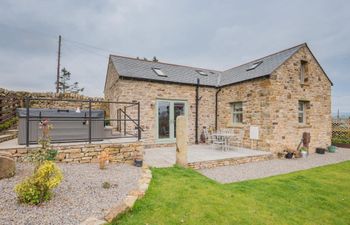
x: 218, y: 141
x: 238, y: 137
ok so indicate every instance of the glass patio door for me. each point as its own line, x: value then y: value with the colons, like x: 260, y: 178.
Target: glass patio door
x: 167, y: 111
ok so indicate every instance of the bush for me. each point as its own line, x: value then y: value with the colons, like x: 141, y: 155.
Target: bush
x: 106, y: 185
x: 340, y: 140
x: 38, y: 188
x: 6, y: 125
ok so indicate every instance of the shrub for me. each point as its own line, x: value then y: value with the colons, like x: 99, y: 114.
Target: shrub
x: 106, y: 185
x: 6, y: 125
x: 340, y: 140
x: 38, y: 188
x: 44, y: 153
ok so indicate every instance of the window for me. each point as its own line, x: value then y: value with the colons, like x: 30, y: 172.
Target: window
x: 237, y: 109
x: 302, y: 112
x: 303, y: 68
x: 159, y: 72
x: 202, y: 72
x: 254, y: 65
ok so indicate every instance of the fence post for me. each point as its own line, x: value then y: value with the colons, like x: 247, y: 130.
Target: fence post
x: 27, y: 120
x: 124, y: 120
x: 89, y: 121
x: 138, y: 122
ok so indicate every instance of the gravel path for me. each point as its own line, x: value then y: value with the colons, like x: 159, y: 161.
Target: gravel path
x: 248, y: 171
x: 79, y: 196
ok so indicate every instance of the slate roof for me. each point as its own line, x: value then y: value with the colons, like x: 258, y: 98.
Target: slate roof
x: 136, y: 68
x: 141, y: 69
x: 268, y: 65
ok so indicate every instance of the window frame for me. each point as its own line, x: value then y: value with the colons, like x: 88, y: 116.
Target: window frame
x: 302, y: 111
x: 236, y: 113
x: 202, y: 73
x: 255, y: 65
x: 159, y: 71
x: 302, y: 73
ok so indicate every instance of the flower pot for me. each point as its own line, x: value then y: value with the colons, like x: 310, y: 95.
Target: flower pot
x: 320, y: 150
x: 289, y: 155
x: 303, y: 154
x: 138, y: 162
x: 331, y: 148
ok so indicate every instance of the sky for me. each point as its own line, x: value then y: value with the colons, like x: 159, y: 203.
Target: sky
x: 210, y: 34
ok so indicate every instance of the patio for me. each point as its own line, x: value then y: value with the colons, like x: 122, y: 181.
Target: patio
x: 204, y: 156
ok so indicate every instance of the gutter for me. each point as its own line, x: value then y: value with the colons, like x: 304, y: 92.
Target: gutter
x: 216, y: 108
x: 196, y: 119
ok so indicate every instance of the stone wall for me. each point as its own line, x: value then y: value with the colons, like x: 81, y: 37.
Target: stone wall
x: 86, y: 153
x: 228, y: 162
x: 270, y: 102
x: 286, y: 92
x: 55, y: 104
x: 147, y: 93
x: 254, y: 96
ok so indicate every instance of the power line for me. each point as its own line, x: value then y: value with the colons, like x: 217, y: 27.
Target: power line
x: 89, y: 46
x: 86, y: 50
x: 52, y: 36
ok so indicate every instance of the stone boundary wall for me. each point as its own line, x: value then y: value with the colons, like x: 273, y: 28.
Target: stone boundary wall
x: 55, y: 104
x: 87, y: 153
x: 127, y: 203
x: 228, y: 162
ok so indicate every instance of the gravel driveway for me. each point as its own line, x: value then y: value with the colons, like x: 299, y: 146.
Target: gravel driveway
x: 248, y: 171
x: 79, y: 196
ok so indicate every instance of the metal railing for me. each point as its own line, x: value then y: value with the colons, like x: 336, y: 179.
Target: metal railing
x: 89, y: 105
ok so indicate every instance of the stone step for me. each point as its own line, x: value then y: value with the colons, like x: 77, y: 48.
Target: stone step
x: 230, y: 161
x: 7, y: 137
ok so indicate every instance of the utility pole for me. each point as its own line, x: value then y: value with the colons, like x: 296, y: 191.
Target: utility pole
x: 58, y: 64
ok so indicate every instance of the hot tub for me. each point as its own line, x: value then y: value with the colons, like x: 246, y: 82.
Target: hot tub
x: 67, y: 125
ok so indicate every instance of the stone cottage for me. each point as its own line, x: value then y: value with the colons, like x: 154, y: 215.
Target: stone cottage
x: 277, y: 97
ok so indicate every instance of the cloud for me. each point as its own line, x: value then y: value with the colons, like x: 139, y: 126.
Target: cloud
x: 207, y: 33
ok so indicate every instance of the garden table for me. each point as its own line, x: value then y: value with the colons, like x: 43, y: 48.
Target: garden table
x: 225, y: 137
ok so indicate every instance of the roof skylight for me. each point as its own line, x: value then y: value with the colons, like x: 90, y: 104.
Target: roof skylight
x: 159, y: 72
x: 254, y: 65
x: 202, y: 73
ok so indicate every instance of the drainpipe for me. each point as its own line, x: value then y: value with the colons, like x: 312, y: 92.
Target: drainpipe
x: 216, y: 108
x: 197, y: 103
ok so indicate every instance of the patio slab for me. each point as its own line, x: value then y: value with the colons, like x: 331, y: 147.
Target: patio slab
x: 166, y: 156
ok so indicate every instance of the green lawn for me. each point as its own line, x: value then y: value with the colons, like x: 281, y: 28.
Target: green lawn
x: 183, y: 196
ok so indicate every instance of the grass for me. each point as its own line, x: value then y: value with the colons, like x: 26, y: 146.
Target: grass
x: 183, y: 196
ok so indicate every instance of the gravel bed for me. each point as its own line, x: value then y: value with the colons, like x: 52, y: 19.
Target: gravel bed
x: 79, y: 196
x: 254, y: 170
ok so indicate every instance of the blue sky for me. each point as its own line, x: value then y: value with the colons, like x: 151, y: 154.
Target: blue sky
x: 210, y: 34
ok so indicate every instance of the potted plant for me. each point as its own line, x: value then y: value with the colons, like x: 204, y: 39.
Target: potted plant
x: 331, y: 148
x: 289, y: 154
x: 304, y: 152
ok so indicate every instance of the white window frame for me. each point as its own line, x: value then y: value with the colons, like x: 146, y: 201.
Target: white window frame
x: 159, y: 72
x: 302, y: 74
x: 302, y: 111
x: 254, y: 65
x: 201, y: 72
x: 235, y: 113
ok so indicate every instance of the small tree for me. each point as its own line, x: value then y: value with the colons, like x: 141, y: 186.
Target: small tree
x: 64, y: 86
x: 155, y: 59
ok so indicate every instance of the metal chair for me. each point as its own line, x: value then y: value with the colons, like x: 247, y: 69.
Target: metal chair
x: 238, y: 137
x: 219, y: 141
